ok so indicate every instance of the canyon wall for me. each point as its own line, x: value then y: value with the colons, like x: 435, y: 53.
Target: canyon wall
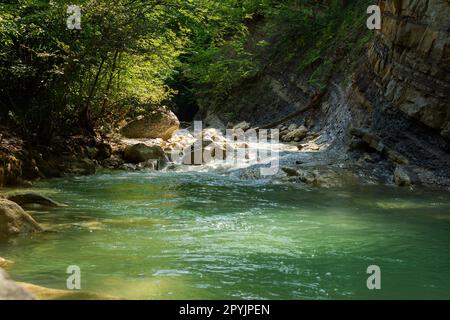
x: 409, y: 61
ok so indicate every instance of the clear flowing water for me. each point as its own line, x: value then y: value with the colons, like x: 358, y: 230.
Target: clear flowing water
x: 199, y: 235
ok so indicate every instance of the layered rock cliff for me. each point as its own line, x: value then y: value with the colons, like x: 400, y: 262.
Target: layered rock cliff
x: 410, y: 60
x: 401, y: 92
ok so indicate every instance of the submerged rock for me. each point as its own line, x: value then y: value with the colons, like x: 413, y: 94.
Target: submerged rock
x: 34, y: 198
x: 9, y: 290
x: 161, y: 123
x: 14, y: 220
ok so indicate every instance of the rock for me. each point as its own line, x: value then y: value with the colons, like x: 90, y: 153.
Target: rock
x: 149, y: 164
x: 161, y: 123
x: 409, y: 60
x: 34, y: 198
x: 5, y: 263
x: 290, y: 172
x: 80, y: 167
x: 141, y: 153
x: 104, y: 151
x: 91, y: 152
x: 296, y: 135
x: 9, y: 290
x: 113, y: 162
x: 242, y: 126
x: 327, y: 178
x: 401, y: 177
x: 128, y: 167
x: 292, y: 127
x: 213, y: 121
x: 376, y: 143
x: 198, y: 156
x: 192, y: 156
x: 14, y: 220
x: 49, y: 168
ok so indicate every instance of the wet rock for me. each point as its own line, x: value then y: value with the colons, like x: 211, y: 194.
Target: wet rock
x: 5, y: 263
x: 161, y: 123
x: 401, y: 177
x: 141, y: 152
x: 9, y: 290
x: 290, y: 172
x: 34, y: 198
x: 149, y: 164
x: 14, y: 220
x: 327, y: 178
x: 113, y: 162
x: 80, y: 167
x: 129, y: 167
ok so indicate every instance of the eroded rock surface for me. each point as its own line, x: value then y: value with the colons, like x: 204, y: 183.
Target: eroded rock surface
x: 14, y: 220
x: 161, y: 123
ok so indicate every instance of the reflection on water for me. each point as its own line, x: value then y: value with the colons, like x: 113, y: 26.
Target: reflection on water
x: 205, y: 236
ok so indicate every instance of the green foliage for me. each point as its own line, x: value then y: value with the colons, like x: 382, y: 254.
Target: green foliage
x: 318, y: 34
x: 130, y: 54
x: 52, y: 78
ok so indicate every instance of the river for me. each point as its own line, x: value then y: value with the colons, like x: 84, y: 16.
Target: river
x: 209, y: 235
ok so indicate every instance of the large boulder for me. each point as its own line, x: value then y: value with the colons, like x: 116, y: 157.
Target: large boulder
x: 9, y: 290
x: 141, y: 153
x: 14, y: 220
x: 161, y: 123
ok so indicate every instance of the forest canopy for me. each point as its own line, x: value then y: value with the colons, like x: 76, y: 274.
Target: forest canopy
x: 132, y: 56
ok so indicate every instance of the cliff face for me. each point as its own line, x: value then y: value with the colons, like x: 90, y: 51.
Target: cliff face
x: 401, y: 92
x: 410, y: 58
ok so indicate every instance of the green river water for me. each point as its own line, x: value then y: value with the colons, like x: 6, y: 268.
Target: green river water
x: 192, y: 235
